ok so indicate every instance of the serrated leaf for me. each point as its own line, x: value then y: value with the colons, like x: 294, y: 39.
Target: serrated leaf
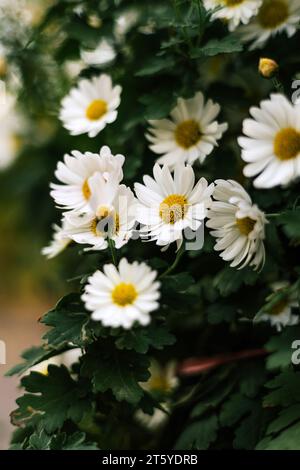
x: 234, y: 409
x: 285, y: 388
x: 55, y: 398
x: 213, y: 47
x: 290, y: 220
x: 285, y: 418
x: 156, y: 65
x: 118, y: 371
x: 198, y: 435
x: 229, y: 280
x: 141, y: 339
x: 67, y: 320
x: 32, y: 356
x: 280, y: 348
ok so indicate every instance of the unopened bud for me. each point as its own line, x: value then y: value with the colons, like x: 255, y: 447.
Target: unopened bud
x: 268, y: 67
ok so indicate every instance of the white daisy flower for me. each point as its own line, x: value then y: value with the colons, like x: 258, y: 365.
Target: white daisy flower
x: 162, y: 382
x: 274, y: 17
x: 233, y: 11
x: 59, y: 242
x: 67, y: 358
x: 113, y: 215
x: 191, y: 133
x: 170, y: 204
x: 103, y: 54
x: 280, y: 314
x: 75, y: 172
x: 238, y: 225
x: 89, y: 107
x: 272, y: 146
x: 121, y: 296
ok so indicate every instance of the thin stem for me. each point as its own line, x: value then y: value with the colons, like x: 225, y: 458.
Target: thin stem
x: 272, y: 215
x: 111, y: 245
x: 175, y: 263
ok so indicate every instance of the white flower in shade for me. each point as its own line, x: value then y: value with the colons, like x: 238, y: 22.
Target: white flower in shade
x: 162, y: 383
x: 190, y: 134
x: 169, y: 204
x: 272, y: 146
x: 113, y: 216
x: 67, y: 358
x: 103, y: 54
x: 59, y: 242
x: 120, y: 297
x: 280, y: 313
x: 75, y: 172
x: 89, y: 107
x: 274, y: 17
x: 233, y: 11
x: 238, y: 225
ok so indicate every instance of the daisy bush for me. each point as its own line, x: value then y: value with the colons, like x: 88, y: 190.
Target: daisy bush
x: 167, y: 190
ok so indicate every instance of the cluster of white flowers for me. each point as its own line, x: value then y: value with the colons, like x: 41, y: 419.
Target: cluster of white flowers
x: 257, y: 20
x: 100, y: 211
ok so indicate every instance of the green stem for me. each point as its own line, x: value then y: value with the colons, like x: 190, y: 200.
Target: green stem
x: 176, y: 261
x: 272, y: 215
x: 112, y: 251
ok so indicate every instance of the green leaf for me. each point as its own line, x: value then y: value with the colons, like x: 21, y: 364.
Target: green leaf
x: 158, y: 104
x: 141, y: 339
x: 53, y: 398
x: 287, y: 440
x: 246, y: 435
x: 68, y: 321
x: 118, y: 371
x: 218, y: 313
x: 213, y: 47
x: 285, y: 418
x: 280, y: 348
x: 198, y: 435
x: 230, y: 280
x: 285, y: 388
x: 156, y: 65
x: 290, y: 220
x: 234, y: 409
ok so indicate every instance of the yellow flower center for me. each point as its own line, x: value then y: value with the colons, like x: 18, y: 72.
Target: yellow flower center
x: 159, y: 382
x: 173, y: 208
x: 110, y: 225
x: 187, y: 133
x: 233, y: 3
x: 245, y: 225
x: 86, y: 190
x: 96, y: 109
x: 287, y: 144
x: 278, y: 307
x: 124, y: 294
x: 273, y: 13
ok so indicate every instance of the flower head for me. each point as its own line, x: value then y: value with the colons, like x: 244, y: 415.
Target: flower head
x: 169, y: 204
x: 119, y: 297
x: 190, y: 134
x: 279, y: 314
x: 238, y: 225
x: 75, y: 172
x: 89, y: 107
x: 274, y: 17
x: 233, y: 11
x: 272, y: 146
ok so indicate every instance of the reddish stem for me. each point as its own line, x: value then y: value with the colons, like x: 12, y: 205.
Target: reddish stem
x: 195, y: 366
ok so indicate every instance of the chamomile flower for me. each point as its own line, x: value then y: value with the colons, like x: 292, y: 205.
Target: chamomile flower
x: 120, y: 297
x: 89, y: 107
x: 113, y: 215
x: 162, y: 383
x: 59, y: 242
x: 233, y: 11
x: 238, y: 225
x: 280, y: 314
x: 75, y: 172
x: 272, y: 146
x: 169, y: 204
x: 274, y: 17
x: 190, y: 134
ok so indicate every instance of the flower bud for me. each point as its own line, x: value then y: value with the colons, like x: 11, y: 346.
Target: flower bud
x: 268, y: 67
